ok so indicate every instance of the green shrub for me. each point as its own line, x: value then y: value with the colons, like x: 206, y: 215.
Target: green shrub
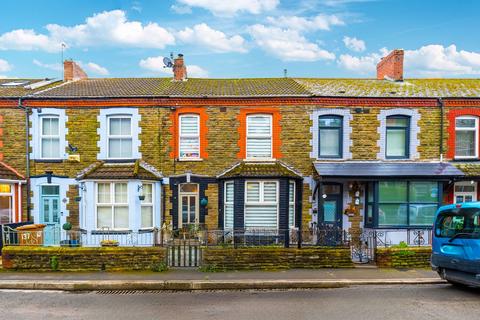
x: 159, y: 267
x: 54, y: 263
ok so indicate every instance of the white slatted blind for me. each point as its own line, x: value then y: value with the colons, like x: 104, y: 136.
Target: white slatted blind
x: 261, y: 208
x: 228, y: 211
x: 259, y: 136
x: 189, y: 136
x: 291, y: 204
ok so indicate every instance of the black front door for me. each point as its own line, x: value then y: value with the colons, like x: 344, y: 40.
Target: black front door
x: 331, y: 205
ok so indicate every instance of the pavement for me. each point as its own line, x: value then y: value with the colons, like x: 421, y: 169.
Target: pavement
x: 192, y: 279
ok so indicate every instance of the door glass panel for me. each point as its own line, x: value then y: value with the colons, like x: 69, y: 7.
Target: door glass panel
x: 188, y: 187
x: 192, y: 209
x: 329, y: 211
x: 46, y: 211
x: 55, y: 214
x: 184, y: 209
x: 5, y: 209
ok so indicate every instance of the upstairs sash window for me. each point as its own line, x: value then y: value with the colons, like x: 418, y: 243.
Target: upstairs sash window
x: 330, y: 136
x: 466, y: 137
x: 259, y: 136
x: 397, y: 139
x: 189, y: 137
x: 50, y: 137
x: 120, y: 137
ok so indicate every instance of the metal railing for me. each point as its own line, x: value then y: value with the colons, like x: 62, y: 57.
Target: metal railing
x: 77, y: 238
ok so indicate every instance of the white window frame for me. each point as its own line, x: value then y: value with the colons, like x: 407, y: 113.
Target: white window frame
x: 11, y: 196
x: 148, y: 204
x: 225, y: 203
x: 111, y: 204
x: 130, y: 136
x: 291, y: 224
x: 463, y: 194
x: 467, y: 129
x: 42, y: 136
x: 196, y: 194
x: 259, y: 136
x: 180, y: 135
x: 261, y: 201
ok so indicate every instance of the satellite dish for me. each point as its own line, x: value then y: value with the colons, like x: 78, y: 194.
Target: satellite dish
x: 167, y: 62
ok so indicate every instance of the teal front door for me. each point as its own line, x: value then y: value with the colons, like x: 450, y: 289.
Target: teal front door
x: 50, y: 214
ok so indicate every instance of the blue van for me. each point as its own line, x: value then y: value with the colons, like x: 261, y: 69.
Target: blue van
x: 456, y: 243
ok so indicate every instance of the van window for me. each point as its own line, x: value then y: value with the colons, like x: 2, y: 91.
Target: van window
x: 451, y: 222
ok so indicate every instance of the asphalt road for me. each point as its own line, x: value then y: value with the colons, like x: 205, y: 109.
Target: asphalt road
x: 363, y: 302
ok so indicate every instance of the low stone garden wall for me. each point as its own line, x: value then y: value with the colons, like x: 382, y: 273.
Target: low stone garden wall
x: 82, y: 258
x: 272, y: 258
x: 409, y: 257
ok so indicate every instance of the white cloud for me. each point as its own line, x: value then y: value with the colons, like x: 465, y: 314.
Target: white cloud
x: 5, y: 66
x: 438, y: 61
x: 427, y: 61
x: 51, y: 66
x: 112, y: 27
x: 231, y: 7
x: 95, y: 68
x: 287, y: 44
x: 319, y: 22
x: 106, y: 28
x: 203, y: 35
x: 155, y: 64
x: 354, y: 44
x: 28, y: 40
x: 181, y: 9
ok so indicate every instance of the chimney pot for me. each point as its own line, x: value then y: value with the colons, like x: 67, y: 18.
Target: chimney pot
x: 390, y: 67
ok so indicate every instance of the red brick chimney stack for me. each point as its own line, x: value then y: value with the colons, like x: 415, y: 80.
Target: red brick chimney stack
x: 391, y: 66
x: 179, y: 69
x: 72, y: 71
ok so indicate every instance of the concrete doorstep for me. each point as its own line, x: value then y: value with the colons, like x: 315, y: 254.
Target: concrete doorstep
x: 189, y: 285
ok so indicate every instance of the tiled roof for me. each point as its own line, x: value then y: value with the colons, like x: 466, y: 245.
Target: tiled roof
x: 420, y: 88
x: 470, y: 169
x: 259, y: 169
x: 8, y: 173
x: 132, y: 170
x: 165, y: 87
x: 16, y: 88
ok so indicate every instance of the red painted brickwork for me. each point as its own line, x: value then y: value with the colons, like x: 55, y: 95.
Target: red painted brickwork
x: 276, y: 130
x: 202, y: 112
x: 391, y: 66
x: 451, y: 116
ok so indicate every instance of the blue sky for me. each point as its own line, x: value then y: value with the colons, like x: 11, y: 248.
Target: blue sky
x: 239, y: 38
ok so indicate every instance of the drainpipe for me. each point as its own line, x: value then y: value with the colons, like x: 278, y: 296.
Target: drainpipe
x: 27, y: 154
x: 442, y: 113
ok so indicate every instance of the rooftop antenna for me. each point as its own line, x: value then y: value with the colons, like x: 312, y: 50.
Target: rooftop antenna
x: 64, y: 46
x: 285, y: 73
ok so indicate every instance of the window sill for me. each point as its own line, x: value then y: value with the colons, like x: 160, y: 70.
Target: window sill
x: 119, y: 160
x: 190, y: 159
x: 146, y: 230
x: 259, y: 159
x: 466, y: 159
x: 111, y: 232
x: 48, y: 160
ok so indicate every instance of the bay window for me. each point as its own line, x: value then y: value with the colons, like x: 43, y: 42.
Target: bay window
x: 119, y: 137
x: 402, y: 203
x: 228, y: 205
x: 189, y: 146
x: 330, y: 136
x: 397, y: 137
x: 261, y: 204
x: 147, y: 206
x: 465, y: 191
x: 49, y: 137
x: 259, y: 136
x: 466, y: 137
x: 112, y: 206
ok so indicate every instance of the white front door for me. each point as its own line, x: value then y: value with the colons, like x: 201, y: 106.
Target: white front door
x: 465, y: 191
x: 188, y: 212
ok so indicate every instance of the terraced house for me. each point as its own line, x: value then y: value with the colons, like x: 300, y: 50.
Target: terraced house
x: 130, y: 155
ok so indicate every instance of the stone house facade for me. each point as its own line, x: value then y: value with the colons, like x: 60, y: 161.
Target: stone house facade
x: 138, y: 154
